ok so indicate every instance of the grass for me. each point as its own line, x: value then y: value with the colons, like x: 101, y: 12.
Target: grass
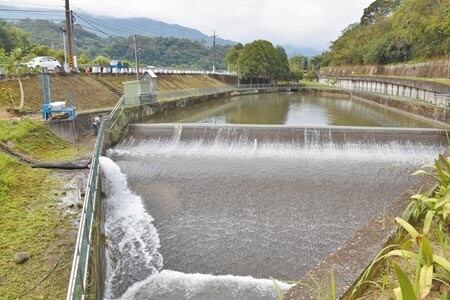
x: 30, y: 224
x: 29, y: 137
x: 88, y: 93
x: 31, y: 218
x: 313, y: 84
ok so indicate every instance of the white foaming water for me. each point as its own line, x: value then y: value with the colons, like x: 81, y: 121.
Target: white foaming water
x: 245, y: 148
x: 169, y: 285
x: 133, y: 242
x: 134, y: 264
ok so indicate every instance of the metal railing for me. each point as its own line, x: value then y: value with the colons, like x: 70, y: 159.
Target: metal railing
x: 79, y: 273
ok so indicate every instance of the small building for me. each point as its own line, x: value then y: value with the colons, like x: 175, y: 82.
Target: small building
x: 140, y: 91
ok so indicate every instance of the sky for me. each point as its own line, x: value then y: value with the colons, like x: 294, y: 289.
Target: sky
x: 300, y: 23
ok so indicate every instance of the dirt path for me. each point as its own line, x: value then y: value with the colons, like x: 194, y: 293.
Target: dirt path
x: 5, y: 115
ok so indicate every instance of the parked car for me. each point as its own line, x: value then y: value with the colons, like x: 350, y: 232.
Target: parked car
x: 48, y: 62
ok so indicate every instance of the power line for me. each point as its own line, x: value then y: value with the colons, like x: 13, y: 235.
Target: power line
x: 108, y: 35
x: 124, y: 8
x: 28, y: 4
x: 32, y: 11
x: 24, y: 19
x: 130, y: 30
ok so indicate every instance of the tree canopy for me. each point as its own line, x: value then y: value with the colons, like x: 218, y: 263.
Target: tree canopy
x: 393, y: 31
x: 12, y: 37
x: 260, y: 59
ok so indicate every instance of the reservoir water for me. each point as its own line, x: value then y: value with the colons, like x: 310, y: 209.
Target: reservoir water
x: 290, y: 109
x: 214, y: 217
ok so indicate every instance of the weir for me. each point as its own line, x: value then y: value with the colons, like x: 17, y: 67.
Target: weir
x: 213, y: 212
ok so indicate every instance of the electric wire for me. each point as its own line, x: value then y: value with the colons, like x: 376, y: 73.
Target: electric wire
x: 124, y: 29
x: 82, y: 18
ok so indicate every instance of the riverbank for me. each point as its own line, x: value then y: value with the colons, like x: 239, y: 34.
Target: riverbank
x: 40, y: 211
x: 89, y: 92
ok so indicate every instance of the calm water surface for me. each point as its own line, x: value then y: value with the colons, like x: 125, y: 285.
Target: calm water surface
x: 289, y: 109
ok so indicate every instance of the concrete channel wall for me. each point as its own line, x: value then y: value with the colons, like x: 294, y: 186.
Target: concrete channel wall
x: 434, y: 93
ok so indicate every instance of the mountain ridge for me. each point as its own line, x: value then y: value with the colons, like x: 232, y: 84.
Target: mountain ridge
x: 105, y: 26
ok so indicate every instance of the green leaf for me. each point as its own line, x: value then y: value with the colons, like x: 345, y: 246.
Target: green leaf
x: 332, y: 293
x: 404, y: 254
x: 427, y: 251
x: 408, y: 227
x: 427, y: 222
x: 277, y: 288
x: 444, y: 263
x: 444, y: 161
x: 408, y: 244
x: 446, y: 211
x: 398, y: 293
x: 423, y: 172
x: 443, y: 201
x: 406, y: 287
x: 426, y: 278
x: 444, y: 176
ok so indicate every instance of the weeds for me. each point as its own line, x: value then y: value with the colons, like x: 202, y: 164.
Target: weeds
x: 423, y: 258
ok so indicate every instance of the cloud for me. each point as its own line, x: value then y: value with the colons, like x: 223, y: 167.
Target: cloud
x: 305, y: 23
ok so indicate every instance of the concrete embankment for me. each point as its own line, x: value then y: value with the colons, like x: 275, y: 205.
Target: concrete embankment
x: 438, y: 68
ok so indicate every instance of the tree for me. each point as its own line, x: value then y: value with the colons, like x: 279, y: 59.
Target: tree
x: 282, y: 71
x: 12, y: 37
x: 101, y: 60
x: 379, y: 8
x: 316, y: 62
x: 260, y: 59
x: 394, y: 31
x: 232, y: 56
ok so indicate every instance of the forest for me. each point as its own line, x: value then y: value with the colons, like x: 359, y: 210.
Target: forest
x: 389, y: 32
x: 24, y: 39
x: 394, y: 31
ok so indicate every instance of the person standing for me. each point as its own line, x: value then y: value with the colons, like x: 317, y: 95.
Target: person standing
x: 96, y: 124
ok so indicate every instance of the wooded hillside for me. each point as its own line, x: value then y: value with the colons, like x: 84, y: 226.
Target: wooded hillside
x: 44, y: 37
x: 393, y: 31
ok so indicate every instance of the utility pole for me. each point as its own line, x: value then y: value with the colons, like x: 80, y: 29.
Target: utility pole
x: 214, y: 52
x: 70, y: 39
x: 64, y: 45
x: 136, y: 56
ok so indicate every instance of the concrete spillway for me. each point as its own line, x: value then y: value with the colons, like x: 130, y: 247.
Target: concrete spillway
x: 228, y: 202
x: 299, y: 135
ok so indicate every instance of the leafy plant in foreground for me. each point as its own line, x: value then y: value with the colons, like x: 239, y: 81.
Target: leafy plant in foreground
x: 428, y: 266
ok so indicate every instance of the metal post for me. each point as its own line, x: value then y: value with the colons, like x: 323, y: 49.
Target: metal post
x: 69, y: 34
x: 44, y: 89
x: 239, y: 75
x: 49, y: 93
x: 64, y: 45
x: 214, y: 52
x: 448, y: 67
